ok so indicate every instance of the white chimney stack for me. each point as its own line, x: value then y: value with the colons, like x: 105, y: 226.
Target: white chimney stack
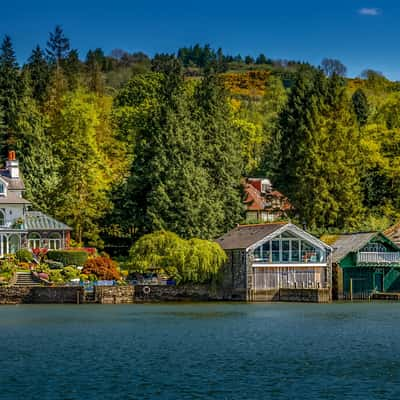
x: 12, y: 165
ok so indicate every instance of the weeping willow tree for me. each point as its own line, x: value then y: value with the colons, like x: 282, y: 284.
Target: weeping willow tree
x: 193, y: 260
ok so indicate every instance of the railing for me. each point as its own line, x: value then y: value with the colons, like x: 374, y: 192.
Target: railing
x: 287, y: 257
x: 378, y: 258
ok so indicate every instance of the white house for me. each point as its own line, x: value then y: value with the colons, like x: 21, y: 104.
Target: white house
x: 19, y: 226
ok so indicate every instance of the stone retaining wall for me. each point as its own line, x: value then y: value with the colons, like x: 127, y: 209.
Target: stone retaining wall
x: 57, y: 295
x: 150, y: 293
x: 40, y: 294
x: 114, y: 294
x: 15, y: 295
x: 157, y: 293
x: 64, y: 294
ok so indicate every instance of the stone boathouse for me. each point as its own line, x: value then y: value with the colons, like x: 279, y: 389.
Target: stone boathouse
x: 21, y: 227
x: 276, y: 261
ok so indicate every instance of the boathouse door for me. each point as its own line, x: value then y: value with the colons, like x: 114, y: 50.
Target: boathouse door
x: 378, y: 281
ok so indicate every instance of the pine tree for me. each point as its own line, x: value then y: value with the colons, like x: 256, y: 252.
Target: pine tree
x: 11, y: 90
x: 38, y: 70
x: 361, y: 107
x: 58, y: 46
x: 72, y: 68
x: 319, y: 168
x: 221, y: 151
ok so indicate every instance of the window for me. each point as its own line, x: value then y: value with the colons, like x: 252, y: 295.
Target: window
x: 13, y: 244
x: 54, y: 241
x: 34, y: 241
x: 375, y: 248
x: 2, y: 218
x: 2, y: 189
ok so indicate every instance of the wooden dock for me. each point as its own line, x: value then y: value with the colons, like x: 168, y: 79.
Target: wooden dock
x: 386, y: 296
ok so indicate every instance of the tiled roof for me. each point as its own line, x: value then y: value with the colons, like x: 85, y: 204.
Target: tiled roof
x: 243, y: 236
x: 256, y: 201
x: 13, y: 198
x: 13, y: 183
x: 349, y: 243
x: 36, y: 221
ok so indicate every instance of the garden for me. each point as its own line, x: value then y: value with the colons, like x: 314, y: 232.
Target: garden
x: 60, y: 267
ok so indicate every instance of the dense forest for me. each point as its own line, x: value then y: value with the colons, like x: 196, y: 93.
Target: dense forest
x: 125, y: 144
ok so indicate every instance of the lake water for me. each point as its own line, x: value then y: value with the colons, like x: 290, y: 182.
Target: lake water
x: 200, y: 351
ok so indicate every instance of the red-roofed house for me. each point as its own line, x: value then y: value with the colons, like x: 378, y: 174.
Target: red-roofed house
x: 263, y: 203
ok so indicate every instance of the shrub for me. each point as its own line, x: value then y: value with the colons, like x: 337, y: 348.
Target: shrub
x: 23, y: 265
x: 24, y: 255
x: 68, y: 257
x: 102, y: 268
x: 56, y: 276
x: 70, y: 273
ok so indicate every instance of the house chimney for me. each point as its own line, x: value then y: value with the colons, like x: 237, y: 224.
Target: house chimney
x: 12, y: 165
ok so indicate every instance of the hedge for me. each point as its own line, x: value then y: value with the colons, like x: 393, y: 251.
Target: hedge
x: 68, y: 257
x: 24, y: 255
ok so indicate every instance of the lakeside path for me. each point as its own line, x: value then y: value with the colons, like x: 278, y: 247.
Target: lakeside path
x: 200, y: 351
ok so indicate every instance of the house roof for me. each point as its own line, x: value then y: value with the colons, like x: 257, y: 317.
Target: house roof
x: 13, y: 183
x: 243, y: 236
x: 37, y: 221
x: 256, y: 201
x: 349, y: 243
x: 13, y: 198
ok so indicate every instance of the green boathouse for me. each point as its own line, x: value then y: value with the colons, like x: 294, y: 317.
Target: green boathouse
x: 364, y: 263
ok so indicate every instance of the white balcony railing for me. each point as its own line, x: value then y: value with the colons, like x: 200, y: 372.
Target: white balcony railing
x: 378, y: 258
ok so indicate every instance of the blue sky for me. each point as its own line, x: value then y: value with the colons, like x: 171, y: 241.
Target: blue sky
x: 361, y: 33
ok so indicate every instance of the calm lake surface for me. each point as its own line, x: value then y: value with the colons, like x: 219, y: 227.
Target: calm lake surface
x: 200, y: 351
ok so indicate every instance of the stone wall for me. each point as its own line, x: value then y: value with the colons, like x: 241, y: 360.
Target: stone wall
x: 15, y: 295
x: 150, y: 293
x: 40, y: 294
x: 114, y: 294
x: 57, y: 294
x: 157, y: 293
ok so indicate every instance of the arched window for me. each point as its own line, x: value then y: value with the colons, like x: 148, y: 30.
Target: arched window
x: 2, y: 218
x: 54, y: 241
x: 13, y: 244
x: 34, y: 240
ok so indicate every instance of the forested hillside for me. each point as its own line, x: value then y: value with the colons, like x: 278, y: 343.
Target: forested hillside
x: 122, y: 145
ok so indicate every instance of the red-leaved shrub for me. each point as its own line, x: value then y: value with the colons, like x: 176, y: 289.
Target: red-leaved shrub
x: 103, y: 267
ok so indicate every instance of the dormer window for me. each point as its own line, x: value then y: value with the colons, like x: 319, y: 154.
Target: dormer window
x: 2, y: 189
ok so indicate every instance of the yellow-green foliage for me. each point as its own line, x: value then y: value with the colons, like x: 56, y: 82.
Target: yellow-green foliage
x: 329, y: 239
x: 249, y: 83
x: 193, y: 260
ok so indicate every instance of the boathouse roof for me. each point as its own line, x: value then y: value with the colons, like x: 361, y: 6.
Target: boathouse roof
x: 244, y: 236
x: 353, y: 242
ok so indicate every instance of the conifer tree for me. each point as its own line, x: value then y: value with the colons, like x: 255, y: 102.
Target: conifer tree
x: 361, y: 107
x: 38, y: 70
x: 221, y: 151
x: 319, y: 168
x: 58, y: 46
x: 11, y: 90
